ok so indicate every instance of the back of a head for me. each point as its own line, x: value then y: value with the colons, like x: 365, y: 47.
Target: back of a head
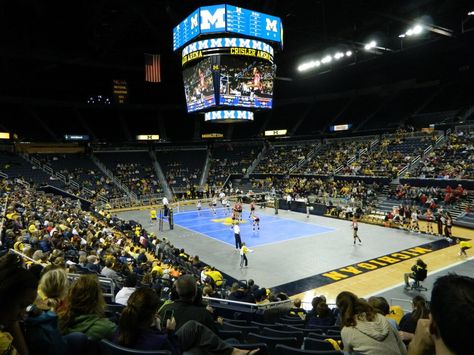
x: 351, y: 306
x: 186, y: 287
x: 315, y: 302
x: 452, y: 309
x: 137, y: 315
x: 297, y: 302
x: 380, y: 305
x: 54, y: 285
x: 322, y: 310
x: 14, y: 280
x: 85, y: 297
x: 130, y: 280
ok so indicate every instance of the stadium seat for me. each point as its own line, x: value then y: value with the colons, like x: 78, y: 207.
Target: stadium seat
x: 79, y: 344
x: 324, y: 336
x: 272, y: 341
x: 288, y: 350
x: 268, y: 325
x: 280, y: 333
x: 244, y: 329
x: 109, y: 348
x: 232, y: 334
x: 315, y: 344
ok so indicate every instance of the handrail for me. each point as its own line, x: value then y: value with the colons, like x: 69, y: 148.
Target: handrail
x: 24, y: 256
x: 2, y: 217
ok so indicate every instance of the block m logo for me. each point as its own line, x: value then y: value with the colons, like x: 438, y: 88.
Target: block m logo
x: 213, y: 21
x: 271, y: 25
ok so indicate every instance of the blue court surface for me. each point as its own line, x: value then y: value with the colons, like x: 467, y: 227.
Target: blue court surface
x: 273, y: 229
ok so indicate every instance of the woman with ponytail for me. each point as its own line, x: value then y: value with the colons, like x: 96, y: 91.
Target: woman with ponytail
x: 139, y: 328
x: 409, y: 321
x: 365, y: 331
x: 52, y: 290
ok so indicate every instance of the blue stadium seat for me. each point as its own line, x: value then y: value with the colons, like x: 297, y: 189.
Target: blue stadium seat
x: 288, y: 350
x: 109, y: 348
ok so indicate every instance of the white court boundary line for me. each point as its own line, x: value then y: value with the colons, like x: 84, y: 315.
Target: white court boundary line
x: 430, y: 274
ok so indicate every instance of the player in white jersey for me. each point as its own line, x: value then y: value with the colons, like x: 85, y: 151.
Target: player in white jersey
x: 414, y: 221
x: 355, y: 228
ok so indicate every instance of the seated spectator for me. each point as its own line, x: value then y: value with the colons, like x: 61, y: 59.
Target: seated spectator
x: 52, y: 290
x: 84, y: 310
x: 296, y: 310
x: 129, y: 287
x: 184, y: 307
x: 365, y: 331
x: 93, y: 264
x: 449, y: 328
x: 139, y: 329
x: 107, y: 270
x: 41, y: 326
x: 216, y: 276
x: 323, y: 316
x: 381, y: 306
x: 409, y: 320
x: 17, y: 291
x: 314, y: 303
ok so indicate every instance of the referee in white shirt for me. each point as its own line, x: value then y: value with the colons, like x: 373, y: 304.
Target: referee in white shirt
x: 238, y: 241
x: 165, y: 205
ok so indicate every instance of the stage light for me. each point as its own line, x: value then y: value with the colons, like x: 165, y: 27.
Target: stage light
x: 370, y: 45
x: 338, y: 55
x: 470, y: 13
x: 326, y: 59
x: 417, y: 29
x: 348, y: 53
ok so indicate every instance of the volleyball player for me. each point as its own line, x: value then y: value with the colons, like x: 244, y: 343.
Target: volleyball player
x: 256, y: 222
x: 213, y: 205
x: 199, y: 206
x: 252, y: 209
x: 429, y: 221
x: 414, y: 221
x: 355, y: 228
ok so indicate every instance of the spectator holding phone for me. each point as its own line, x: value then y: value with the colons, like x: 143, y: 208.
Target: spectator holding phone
x: 139, y: 328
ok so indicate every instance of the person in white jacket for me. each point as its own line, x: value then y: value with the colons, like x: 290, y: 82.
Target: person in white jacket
x: 364, y: 331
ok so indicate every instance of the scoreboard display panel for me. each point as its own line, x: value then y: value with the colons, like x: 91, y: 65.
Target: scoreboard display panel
x: 186, y: 30
x: 227, y: 19
x: 199, y: 85
x: 253, y: 23
x: 245, y: 82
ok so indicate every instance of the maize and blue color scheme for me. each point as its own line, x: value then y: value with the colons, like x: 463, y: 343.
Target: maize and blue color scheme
x: 273, y: 229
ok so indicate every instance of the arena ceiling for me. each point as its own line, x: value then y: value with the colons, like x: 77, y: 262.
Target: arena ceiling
x: 59, y: 53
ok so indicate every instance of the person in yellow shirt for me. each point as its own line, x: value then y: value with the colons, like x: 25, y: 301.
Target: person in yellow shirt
x: 465, y: 245
x: 243, y: 255
x: 153, y: 215
x: 216, y: 276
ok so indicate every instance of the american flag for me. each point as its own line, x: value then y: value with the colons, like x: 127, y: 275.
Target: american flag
x: 152, y: 68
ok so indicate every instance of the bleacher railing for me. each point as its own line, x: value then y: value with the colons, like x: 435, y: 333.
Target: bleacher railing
x: 245, y: 306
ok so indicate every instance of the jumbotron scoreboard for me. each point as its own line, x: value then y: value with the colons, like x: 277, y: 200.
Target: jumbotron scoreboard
x: 227, y: 55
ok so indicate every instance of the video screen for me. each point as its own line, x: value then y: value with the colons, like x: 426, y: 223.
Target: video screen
x: 198, y: 86
x: 246, y: 83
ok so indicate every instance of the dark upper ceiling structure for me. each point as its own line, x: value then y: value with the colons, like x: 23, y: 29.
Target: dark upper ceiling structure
x: 55, y: 54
